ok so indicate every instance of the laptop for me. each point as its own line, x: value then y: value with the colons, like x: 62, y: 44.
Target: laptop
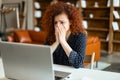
x: 28, y: 62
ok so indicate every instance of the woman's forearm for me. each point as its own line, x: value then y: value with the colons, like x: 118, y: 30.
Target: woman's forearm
x: 54, y: 46
x: 66, y: 48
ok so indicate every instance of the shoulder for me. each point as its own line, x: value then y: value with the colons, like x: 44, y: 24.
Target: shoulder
x: 80, y: 35
x: 80, y: 40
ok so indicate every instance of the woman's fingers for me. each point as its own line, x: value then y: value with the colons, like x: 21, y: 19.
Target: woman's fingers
x: 61, y: 33
x: 61, y: 29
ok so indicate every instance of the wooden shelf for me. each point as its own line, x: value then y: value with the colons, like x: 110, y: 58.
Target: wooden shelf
x: 101, y: 23
x: 117, y: 31
x: 41, y: 1
x: 43, y: 5
x: 97, y: 29
x: 104, y: 40
x: 41, y: 9
x: 97, y: 18
x: 116, y: 7
x: 93, y: 8
x: 116, y: 19
x: 116, y: 41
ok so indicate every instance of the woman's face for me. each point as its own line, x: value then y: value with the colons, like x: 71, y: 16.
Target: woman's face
x: 62, y: 20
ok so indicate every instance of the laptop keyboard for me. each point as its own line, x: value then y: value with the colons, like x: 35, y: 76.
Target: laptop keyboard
x: 60, y: 75
x: 58, y: 78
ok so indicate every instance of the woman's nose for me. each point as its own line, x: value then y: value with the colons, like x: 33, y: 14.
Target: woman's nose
x: 58, y: 24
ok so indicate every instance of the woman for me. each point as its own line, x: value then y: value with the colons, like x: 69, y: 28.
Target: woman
x: 66, y: 34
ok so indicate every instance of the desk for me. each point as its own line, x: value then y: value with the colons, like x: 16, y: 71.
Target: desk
x: 80, y: 74
x: 1, y: 69
x: 87, y: 74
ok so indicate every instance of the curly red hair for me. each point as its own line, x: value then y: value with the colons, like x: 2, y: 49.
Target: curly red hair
x: 53, y: 10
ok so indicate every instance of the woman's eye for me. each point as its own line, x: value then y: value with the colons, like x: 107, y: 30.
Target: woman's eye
x: 62, y: 22
x: 55, y: 22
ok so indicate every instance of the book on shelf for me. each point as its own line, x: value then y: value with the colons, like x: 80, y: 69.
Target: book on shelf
x: 83, y: 3
x: 108, y: 3
x: 38, y: 14
x: 85, y: 24
x: 116, y: 15
x: 116, y: 3
x: 115, y: 26
x: 37, y: 5
x: 77, y: 4
x: 96, y: 4
x: 107, y: 38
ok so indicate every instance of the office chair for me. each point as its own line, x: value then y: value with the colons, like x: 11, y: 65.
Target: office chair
x: 90, y: 59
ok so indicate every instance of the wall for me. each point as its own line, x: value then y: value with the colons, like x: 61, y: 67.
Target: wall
x: 30, y: 15
x: 0, y: 15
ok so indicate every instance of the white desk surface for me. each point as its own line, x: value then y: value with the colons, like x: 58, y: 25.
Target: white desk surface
x: 80, y: 74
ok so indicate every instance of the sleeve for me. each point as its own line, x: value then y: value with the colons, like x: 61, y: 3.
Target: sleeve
x: 76, y: 57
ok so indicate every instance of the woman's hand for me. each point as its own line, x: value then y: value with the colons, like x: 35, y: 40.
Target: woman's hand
x: 61, y: 33
x: 56, y: 34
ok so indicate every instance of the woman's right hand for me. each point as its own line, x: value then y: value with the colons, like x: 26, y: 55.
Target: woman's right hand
x: 56, y: 35
x: 56, y: 43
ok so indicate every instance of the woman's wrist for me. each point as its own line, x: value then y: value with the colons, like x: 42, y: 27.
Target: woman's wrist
x: 56, y: 42
x: 66, y: 47
x: 54, y: 46
x: 63, y: 42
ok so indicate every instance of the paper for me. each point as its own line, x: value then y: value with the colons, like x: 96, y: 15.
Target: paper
x: 78, y: 4
x: 96, y: 4
x: 116, y: 3
x: 83, y: 3
x: 108, y: 3
x: 37, y: 5
x: 38, y: 14
x: 107, y: 38
x: 115, y: 26
x: 85, y: 24
x: 116, y: 14
x: 37, y: 29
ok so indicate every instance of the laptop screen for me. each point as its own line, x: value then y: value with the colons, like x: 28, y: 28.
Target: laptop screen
x: 27, y: 61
